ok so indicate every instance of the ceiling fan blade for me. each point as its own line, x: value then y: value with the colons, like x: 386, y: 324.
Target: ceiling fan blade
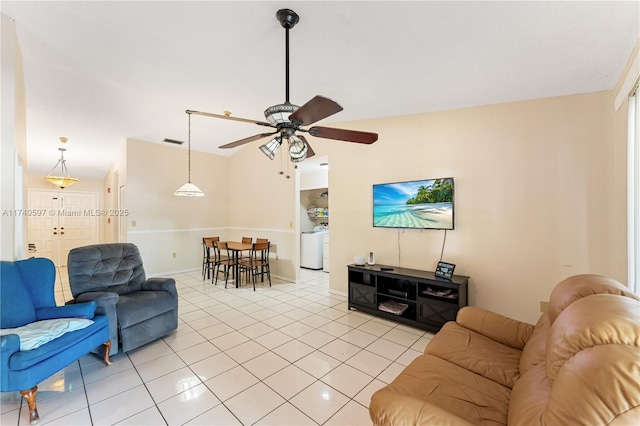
x: 316, y: 109
x: 310, y: 151
x: 228, y: 117
x: 343, y: 135
x: 247, y: 140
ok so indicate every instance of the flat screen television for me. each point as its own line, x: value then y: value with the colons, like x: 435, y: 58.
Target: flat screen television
x: 417, y: 204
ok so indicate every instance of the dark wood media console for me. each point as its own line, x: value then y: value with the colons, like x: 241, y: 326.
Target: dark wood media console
x: 411, y: 296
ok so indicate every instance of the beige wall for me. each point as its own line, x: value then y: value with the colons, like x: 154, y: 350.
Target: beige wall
x: 161, y: 223
x: 114, y: 180
x: 535, y: 196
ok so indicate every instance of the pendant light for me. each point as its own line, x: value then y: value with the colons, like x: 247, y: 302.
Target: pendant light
x: 189, y: 189
x: 61, y: 180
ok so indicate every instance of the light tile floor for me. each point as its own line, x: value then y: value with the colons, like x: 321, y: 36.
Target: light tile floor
x: 290, y: 354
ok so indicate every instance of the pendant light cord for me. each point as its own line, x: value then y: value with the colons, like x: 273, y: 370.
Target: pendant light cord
x: 189, y: 150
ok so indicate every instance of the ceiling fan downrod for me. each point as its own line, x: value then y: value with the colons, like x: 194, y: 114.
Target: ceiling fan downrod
x: 288, y: 19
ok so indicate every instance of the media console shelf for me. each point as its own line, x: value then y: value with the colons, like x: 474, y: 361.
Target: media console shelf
x: 411, y: 296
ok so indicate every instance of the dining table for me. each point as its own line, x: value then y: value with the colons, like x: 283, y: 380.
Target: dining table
x: 235, y: 248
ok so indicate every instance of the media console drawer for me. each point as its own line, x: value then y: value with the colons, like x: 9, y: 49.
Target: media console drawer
x: 428, y: 301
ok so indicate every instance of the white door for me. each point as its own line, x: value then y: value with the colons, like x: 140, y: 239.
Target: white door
x: 60, y: 221
x: 42, y: 221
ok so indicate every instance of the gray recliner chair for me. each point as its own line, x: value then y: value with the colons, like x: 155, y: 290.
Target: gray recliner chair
x: 140, y: 310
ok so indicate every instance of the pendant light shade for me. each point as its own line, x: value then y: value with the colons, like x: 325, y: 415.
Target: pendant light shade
x: 270, y: 148
x: 297, y: 149
x: 61, y: 179
x: 189, y: 189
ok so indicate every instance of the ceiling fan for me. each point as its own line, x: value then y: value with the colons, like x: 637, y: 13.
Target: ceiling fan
x: 287, y: 119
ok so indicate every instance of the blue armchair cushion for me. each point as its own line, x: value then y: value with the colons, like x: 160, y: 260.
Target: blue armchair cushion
x: 38, y: 333
x: 26, y: 359
x: 16, y: 305
x: 114, y: 268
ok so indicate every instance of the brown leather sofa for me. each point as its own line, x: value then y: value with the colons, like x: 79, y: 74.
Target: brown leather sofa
x: 580, y: 364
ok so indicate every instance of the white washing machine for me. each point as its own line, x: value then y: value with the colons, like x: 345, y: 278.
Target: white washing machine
x: 311, y: 249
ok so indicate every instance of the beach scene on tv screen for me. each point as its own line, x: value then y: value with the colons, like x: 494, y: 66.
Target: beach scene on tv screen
x: 415, y: 204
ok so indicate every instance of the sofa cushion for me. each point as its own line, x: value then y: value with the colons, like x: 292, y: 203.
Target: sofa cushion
x: 476, y: 353
x: 496, y: 327
x: 435, y: 381
x: 25, y: 359
x: 113, y: 267
x: 15, y: 301
x: 139, y: 306
x: 37, y: 333
x: 602, y: 319
x: 583, y: 342
x: 533, y: 352
x: 529, y: 397
x: 578, y: 286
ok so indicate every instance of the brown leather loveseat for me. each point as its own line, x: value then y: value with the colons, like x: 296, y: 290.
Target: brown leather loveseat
x: 580, y: 364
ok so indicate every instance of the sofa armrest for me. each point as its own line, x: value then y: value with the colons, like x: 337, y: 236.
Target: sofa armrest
x: 161, y: 284
x: 389, y: 408
x: 496, y: 327
x: 78, y: 310
x: 9, y: 344
x: 103, y: 299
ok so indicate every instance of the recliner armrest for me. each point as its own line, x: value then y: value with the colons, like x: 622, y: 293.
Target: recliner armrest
x: 496, y: 327
x: 106, y: 305
x: 78, y: 310
x: 161, y: 284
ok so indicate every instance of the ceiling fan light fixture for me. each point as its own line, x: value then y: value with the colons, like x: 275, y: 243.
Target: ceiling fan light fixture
x: 297, y: 149
x: 271, y: 148
x: 63, y: 179
x: 279, y: 114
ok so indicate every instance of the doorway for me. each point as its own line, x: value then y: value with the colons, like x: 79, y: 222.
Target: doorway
x: 313, y: 213
x: 59, y: 221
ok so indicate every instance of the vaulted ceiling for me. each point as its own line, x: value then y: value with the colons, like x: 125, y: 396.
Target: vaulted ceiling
x: 98, y: 72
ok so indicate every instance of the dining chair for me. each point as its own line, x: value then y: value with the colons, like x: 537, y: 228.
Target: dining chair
x: 208, y: 256
x: 223, y: 259
x: 245, y: 240
x: 263, y: 240
x: 258, y: 262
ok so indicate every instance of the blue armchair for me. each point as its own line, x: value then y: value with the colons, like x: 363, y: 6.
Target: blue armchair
x: 26, y: 302
x: 140, y: 310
